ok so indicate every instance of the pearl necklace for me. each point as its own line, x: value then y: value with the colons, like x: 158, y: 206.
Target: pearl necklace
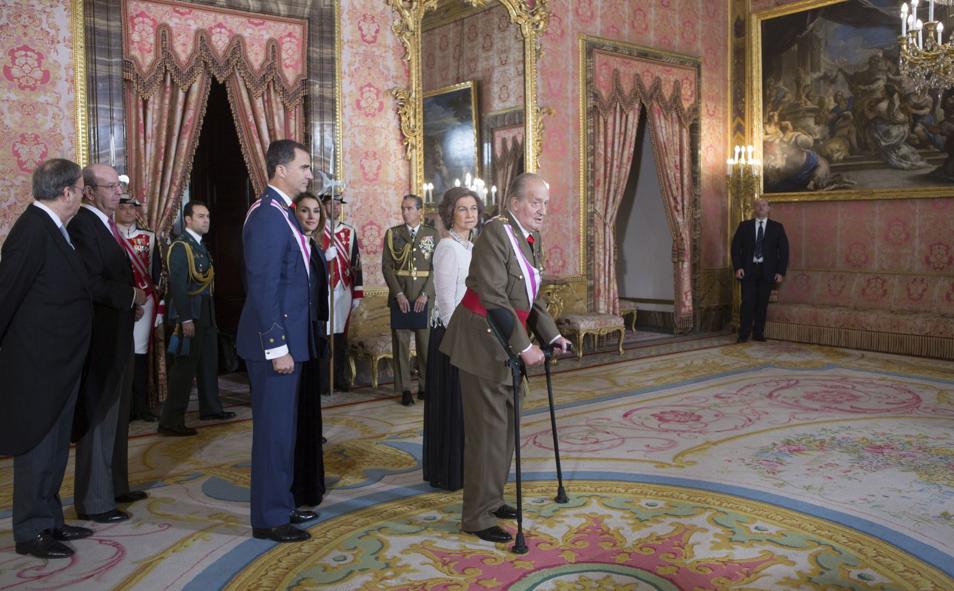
x: 465, y: 243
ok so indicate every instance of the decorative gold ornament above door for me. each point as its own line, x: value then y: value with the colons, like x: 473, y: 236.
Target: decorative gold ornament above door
x: 413, y: 17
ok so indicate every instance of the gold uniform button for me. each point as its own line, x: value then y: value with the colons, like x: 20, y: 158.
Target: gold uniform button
x: 488, y: 330
x: 520, y: 277
x: 285, y: 315
x: 271, y: 340
x: 283, y: 337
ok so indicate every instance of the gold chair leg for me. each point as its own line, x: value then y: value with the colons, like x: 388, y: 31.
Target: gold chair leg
x: 374, y: 372
x: 354, y: 371
x: 580, y: 339
x: 622, y: 333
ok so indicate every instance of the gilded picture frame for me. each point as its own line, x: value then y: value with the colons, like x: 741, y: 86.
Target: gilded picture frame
x: 830, y: 116
x: 451, y: 135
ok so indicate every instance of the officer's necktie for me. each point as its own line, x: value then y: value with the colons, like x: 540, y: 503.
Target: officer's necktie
x: 413, y: 234
x: 759, y: 239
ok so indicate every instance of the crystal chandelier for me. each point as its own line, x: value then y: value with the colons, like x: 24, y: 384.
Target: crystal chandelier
x: 925, y: 58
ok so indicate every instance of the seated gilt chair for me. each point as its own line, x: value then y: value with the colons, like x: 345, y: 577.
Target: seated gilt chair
x: 369, y: 337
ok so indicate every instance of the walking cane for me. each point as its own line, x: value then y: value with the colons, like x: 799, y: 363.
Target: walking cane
x: 561, y: 492
x: 496, y: 318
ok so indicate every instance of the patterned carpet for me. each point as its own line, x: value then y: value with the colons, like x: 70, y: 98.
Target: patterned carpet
x: 758, y: 467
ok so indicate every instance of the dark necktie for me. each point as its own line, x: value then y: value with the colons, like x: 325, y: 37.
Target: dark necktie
x: 413, y: 234
x: 759, y: 239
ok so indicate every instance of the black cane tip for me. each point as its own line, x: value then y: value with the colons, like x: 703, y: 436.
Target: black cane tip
x: 561, y: 496
x: 519, y: 545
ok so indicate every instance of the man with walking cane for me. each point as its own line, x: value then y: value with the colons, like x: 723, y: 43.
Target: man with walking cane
x: 504, y: 285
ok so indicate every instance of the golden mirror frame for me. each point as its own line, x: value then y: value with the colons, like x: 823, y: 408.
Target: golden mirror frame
x: 532, y: 16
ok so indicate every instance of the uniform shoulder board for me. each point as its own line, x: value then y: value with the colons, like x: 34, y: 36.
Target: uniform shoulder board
x: 498, y: 218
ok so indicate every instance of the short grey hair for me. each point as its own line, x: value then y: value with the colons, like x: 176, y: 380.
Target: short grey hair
x: 519, y: 186
x: 52, y: 176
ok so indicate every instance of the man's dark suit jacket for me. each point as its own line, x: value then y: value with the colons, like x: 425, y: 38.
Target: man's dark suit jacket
x: 111, y: 283
x: 45, y: 323
x: 774, y: 249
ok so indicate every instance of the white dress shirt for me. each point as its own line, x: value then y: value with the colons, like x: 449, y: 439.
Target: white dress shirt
x: 450, y: 266
x: 196, y: 235
x: 764, y: 223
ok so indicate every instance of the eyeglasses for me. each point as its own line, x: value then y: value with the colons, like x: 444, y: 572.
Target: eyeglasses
x: 110, y: 186
x: 75, y: 187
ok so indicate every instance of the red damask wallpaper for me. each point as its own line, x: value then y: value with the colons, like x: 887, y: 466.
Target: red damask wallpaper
x: 485, y: 47
x: 36, y: 96
x: 692, y: 27
x: 375, y: 169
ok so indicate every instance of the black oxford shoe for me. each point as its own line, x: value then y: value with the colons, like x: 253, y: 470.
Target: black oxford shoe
x: 493, y: 534
x: 742, y: 340
x: 114, y: 516
x: 505, y: 512
x: 71, y: 532
x: 132, y: 496
x: 420, y: 394
x: 759, y: 337
x: 282, y: 533
x: 407, y: 399
x: 177, y: 431
x: 44, y: 545
x: 302, y: 516
x: 218, y: 416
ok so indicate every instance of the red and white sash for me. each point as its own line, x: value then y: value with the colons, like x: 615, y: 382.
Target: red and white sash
x: 303, y: 243
x: 531, y: 275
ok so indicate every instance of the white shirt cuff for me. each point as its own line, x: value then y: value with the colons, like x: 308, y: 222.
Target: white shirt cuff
x: 187, y: 322
x: 527, y: 349
x: 553, y: 340
x: 276, y: 352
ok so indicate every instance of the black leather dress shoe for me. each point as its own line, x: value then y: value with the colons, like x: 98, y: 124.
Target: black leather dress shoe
x: 219, y: 416
x: 177, y: 431
x: 493, y: 534
x: 420, y: 394
x: 302, y: 516
x: 44, y: 545
x: 114, y: 516
x: 282, y: 533
x: 505, y: 512
x: 407, y: 399
x: 741, y: 339
x: 759, y: 337
x: 71, y: 532
x: 132, y: 496
x: 146, y: 416
x: 342, y: 387
x: 324, y: 440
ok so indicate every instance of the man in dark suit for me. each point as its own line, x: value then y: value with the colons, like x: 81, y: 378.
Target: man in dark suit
x: 195, y: 354
x: 760, y: 259
x: 406, y: 265
x: 275, y: 337
x: 45, y: 322
x: 504, y: 284
x: 102, y: 416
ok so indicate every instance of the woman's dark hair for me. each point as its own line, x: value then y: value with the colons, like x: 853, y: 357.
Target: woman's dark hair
x: 449, y: 203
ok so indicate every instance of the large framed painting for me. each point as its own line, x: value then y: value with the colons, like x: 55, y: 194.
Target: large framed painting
x: 451, y: 139
x: 833, y: 114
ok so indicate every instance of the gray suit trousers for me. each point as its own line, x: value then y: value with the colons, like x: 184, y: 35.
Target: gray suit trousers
x: 488, y: 448
x: 121, y: 445
x: 37, y: 476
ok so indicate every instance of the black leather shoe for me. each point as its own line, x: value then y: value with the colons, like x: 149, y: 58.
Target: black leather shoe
x: 324, y: 440
x: 146, y: 416
x: 759, y: 337
x: 71, y: 532
x: 282, y: 533
x: 493, y: 534
x: 176, y: 431
x: 741, y: 339
x: 114, y: 516
x: 342, y: 387
x: 132, y: 496
x: 44, y: 545
x: 407, y: 399
x: 420, y: 394
x: 302, y: 516
x: 505, y: 512
x: 219, y: 416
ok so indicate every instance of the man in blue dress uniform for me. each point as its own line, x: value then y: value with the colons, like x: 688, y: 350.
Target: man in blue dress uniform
x: 274, y: 338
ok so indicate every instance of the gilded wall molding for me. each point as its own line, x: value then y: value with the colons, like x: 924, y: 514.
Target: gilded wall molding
x: 80, y: 102
x: 532, y: 16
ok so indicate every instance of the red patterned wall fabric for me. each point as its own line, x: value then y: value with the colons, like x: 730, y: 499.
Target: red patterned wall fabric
x: 485, y: 47
x: 37, y: 114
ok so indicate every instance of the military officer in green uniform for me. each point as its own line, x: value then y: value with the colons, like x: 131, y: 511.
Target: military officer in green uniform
x: 504, y: 282
x: 193, y: 347
x: 406, y: 264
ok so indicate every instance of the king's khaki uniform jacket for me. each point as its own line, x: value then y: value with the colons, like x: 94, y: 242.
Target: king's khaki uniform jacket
x: 497, y: 278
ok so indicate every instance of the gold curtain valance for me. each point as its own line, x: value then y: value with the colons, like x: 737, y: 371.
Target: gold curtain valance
x: 640, y: 93
x: 203, y: 59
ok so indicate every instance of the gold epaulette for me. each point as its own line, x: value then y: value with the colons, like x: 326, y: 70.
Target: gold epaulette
x: 499, y: 218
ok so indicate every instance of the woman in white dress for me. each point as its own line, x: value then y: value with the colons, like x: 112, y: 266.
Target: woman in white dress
x: 460, y: 212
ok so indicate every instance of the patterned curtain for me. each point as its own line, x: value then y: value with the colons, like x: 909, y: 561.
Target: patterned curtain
x: 260, y: 118
x: 672, y: 146
x: 616, y: 123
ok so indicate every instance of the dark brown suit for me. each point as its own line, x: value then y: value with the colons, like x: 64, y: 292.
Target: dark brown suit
x: 486, y: 381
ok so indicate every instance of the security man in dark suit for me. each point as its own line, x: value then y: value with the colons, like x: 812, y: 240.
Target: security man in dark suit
x: 194, y: 348
x: 760, y: 259
x: 46, y: 318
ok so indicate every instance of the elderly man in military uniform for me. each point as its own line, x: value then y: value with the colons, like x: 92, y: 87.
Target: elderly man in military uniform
x: 504, y: 283
x: 194, y: 344
x: 406, y: 263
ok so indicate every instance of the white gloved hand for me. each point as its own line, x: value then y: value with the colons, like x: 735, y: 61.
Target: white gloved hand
x: 331, y: 253
x: 355, y: 304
